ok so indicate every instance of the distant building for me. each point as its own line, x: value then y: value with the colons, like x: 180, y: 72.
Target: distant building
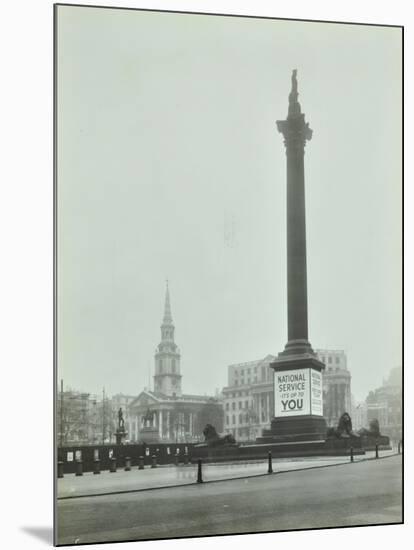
x: 73, y: 417
x: 178, y: 417
x: 336, y: 385
x: 121, y: 401
x: 359, y: 415
x: 248, y: 398
x: 385, y: 405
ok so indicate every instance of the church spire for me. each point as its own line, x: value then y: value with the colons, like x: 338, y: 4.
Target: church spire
x: 167, y: 378
x: 167, y: 308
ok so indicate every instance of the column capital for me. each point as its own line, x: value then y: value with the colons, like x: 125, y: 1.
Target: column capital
x: 296, y: 133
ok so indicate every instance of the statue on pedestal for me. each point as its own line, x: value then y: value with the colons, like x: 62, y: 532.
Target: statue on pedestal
x: 121, y: 422
x: 120, y: 433
x: 148, y: 418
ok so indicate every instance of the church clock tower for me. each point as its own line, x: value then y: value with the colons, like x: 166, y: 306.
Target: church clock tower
x: 167, y: 378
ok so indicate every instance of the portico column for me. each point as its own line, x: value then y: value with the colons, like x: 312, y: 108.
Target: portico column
x: 268, y: 406
x: 160, y: 424
x: 259, y: 406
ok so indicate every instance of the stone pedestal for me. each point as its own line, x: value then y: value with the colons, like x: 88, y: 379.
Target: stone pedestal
x: 149, y: 434
x: 305, y: 428
x: 298, y: 415
x: 369, y: 442
x: 120, y: 435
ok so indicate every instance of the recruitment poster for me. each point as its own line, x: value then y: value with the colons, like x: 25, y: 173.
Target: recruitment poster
x: 298, y: 392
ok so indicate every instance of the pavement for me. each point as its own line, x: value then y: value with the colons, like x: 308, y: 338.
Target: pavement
x: 89, y: 484
x: 366, y: 492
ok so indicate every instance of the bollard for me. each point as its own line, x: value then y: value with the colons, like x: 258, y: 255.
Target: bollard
x: 79, y: 469
x: 141, y: 463
x: 127, y: 464
x: 153, y: 461
x: 112, y: 465
x: 199, y: 472
x: 176, y: 460
x: 352, y: 454
x: 96, y: 466
x: 60, y: 468
x: 269, y: 459
x: 376, y: 450
x: 186, y: 458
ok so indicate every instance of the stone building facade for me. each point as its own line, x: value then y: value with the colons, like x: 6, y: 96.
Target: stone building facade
x: 385, y: 405
x: 248, y: 398
x: 336, y: 385
x: 359, y: 415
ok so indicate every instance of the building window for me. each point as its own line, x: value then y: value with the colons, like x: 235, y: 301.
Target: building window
x: 227, y: 420
x: 329, y: 359
x: 173, y: 366
x: 240, y: 418
x: 227, y: 406
x: 160, y: 365
x: 240, y: 404
x: 246, y: 404
x: 233, y: 418
x: 233, y: 406
x: 337, y: 360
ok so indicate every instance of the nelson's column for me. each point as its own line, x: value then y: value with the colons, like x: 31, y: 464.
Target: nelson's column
x: 298, y: 414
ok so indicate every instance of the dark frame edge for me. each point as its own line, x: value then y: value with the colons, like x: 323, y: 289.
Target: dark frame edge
x: 245, y: 16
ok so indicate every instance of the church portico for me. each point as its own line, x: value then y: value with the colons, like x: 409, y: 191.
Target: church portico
x: 174, y: 420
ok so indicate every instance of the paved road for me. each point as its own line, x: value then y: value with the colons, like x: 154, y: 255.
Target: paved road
x: 351, y: 494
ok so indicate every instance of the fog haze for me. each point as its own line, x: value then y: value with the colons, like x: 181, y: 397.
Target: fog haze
x: 170, y: 166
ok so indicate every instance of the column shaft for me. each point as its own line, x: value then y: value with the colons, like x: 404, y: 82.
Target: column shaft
x: 296, y: 245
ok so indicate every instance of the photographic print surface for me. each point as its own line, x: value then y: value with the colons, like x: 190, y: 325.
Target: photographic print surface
x: 228, y: 203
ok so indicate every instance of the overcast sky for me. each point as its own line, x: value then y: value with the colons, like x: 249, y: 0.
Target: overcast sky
x: 170, y: 166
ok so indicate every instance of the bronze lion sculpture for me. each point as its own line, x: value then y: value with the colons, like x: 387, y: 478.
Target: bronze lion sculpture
x: 212, y: 438
x: 344, y: 428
